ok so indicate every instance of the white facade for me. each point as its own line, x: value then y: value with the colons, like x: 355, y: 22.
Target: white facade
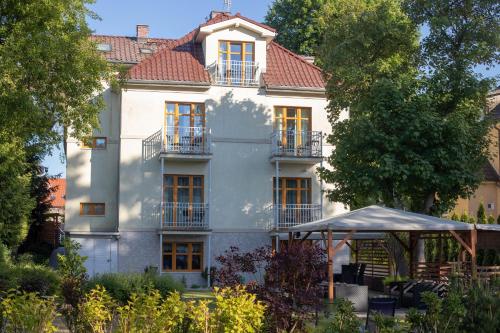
x: 238, y: 171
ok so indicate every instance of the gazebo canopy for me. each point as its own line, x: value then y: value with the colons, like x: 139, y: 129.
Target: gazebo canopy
x: 381, y: 219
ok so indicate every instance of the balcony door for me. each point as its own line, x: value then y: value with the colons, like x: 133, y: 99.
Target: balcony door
x: 293, y: 127
x: 292, y: 191
x: 184, y: 124
x: 236, y: 62
x: 183, y: 199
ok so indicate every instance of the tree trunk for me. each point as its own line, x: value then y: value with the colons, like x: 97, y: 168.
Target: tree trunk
x: 420, y: 250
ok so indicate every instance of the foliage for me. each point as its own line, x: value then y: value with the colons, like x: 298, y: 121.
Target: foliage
x: 300, y: 24
x: 344, y: 319
x: 390, y: 279
x: 26, y: 312
x: 232, y: 264
x: 121, y: 286
x: 491, y: 219
x: 415, y: 138
x: 386, y: 324
x: 96, y: 311
x: 71, y: 264
x: 481, y: 214
x: 35, y: 278
x: 483, y: 305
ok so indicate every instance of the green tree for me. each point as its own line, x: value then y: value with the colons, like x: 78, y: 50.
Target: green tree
x: 481, y: 214
x: 300, y: 24
x: 415, y: 136
x: 51, y: 74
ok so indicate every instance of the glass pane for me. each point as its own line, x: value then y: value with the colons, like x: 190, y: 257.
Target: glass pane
x: 304, y: 183
x: 198, y: 109
x: 88, y: 142
x: 85, y: 209
x: 181, y: 248
x: 170, y: 121
x: 184, y: 122
x: 171, y: 108
x: 291, y: 112
x: 197, y: 195
x: 248, y: 57
x: 291, y: 124
x: 100, y: 143
x: 197, y: 181
x: 183, y: 195
x: 236, y: 48
x: 169, y: 180
x: 181, y: 262
x: 184, y: 109
x: 249, y: 47
x: 236, y: 57
x: 198, y: 122
x: 305, y: 125
x: 169, y: 194
x: 291, y: 183
x: 167, y: 247
x: 99, y: 209
x: 196, y: 262
x: 196, y: 247
x: 183, y: 181
x: 305, y: 197
x: 167, y: 262
x: 291, y: 197
x: 223, y: 46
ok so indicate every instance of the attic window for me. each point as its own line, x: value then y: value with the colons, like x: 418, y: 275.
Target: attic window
x: 146, y: 50
x: 104, y: 47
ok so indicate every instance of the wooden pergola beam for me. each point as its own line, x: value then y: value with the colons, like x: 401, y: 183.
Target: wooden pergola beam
x: 344, y: 241
x: 461, y: 241
x: 330, y: 266
x: 305, y: 236
x: 403, y: 244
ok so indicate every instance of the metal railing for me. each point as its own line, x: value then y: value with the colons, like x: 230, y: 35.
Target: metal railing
x: 182, y: 216
x: 237, y: 73
x: 292, y: 215
x: 186, y: 140
x: 297, y: 143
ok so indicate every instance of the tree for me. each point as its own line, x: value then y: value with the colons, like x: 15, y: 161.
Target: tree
x: 51, y: 75
x: 416, y: 136
x: 481, y: 214
x: 300, y: 24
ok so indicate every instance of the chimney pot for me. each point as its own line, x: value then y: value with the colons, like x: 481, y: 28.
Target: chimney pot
x: 142, y: 32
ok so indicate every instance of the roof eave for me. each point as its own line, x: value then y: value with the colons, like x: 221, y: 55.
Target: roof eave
x: 288, y: 89
x: 168, y: 83
x: 236, y: 22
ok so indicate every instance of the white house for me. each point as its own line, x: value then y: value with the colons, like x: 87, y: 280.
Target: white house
x: 213, y: 142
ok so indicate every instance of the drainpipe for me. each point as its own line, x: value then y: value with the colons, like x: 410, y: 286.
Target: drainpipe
x: 321, y: 189
x: 276, y: 213
x: 162, y: 215
x: 209, y: 261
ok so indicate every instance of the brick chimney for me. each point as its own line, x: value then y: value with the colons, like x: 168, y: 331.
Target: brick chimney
x: 215, y: 13
x: 142, y: 32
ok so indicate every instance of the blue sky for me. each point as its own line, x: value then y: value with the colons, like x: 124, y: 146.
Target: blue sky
x: 166, y: 18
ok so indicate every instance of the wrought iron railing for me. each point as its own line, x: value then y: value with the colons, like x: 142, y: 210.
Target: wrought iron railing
x: 181, y: 215
x: 237, y: 73
x: 186, y: 140
x: 297, y: 143
x: 291, y: 215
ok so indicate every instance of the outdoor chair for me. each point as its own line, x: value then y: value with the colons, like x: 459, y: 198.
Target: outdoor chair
x: 386, y: 306
x: 349, y: 273
x: 360, y: 277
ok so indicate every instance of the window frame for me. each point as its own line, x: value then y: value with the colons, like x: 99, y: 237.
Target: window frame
x: 93, y: 145
x: 227, y: 57
x: 175, y: 186
x: 176, y: 115
x: 189, y: 255
x: 283, y: 189
x: 92, y: 208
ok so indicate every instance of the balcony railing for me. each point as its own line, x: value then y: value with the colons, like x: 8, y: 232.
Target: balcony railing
x: 292, y: 215
x: 184, y: 216
x: 237, y: 73
x: 186, y: 140
x: 297, y: 143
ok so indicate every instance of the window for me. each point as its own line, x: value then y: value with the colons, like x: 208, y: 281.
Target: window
x: 292, y: 191
x: 104, y: 47
x: 92, y: 209
x: 94, y: 142
x: 293, y: 126
x: 236, y: 62
x: 183, y: 189
x: 178, y: 257
x: 185, y: 123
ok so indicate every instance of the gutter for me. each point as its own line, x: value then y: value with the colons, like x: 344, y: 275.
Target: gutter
x: 295, y: 89
x: 165, y: 83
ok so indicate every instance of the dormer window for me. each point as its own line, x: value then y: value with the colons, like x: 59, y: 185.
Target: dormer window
x: 104, y: 47
x: 236, y: 63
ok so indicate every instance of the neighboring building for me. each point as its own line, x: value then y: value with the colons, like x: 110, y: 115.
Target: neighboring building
x: 52, y: 230
x: 488, y: 192
x: 214, y: 141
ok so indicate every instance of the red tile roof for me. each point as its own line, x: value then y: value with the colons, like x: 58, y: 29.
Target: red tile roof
x: 58, y: 197
x: 182, y: 60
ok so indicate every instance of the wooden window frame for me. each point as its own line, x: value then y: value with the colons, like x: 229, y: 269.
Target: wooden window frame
x: 297, y: 119
x: 92, y: 208
x: 227, y: 55
x: 176, y: 115
x: 94, y: 143
x: 282, y: 188
x: 189, y: 255
x: 191, y: 186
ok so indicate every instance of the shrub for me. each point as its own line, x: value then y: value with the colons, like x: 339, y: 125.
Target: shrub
x: 26, y: 312
x: 344, y: 320
x: 96, y: 311
x: 121, y: 286
x: 30, y: 278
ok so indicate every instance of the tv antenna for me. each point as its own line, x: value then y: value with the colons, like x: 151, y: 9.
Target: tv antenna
x: 227, y: 6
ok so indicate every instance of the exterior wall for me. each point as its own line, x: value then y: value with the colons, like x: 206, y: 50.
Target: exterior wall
x: 488, y: 192
x: 92, y: 175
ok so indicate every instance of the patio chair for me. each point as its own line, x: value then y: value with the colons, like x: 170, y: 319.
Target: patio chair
x: 349, y: 273
x: 360, y: 277
x: 386, y: 306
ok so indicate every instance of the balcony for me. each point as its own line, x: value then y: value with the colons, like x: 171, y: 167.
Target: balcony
x: 186, y: 143
x: 292, y: 215
x: 300, y: 147
x: 184, y: 216
x: 237, y: 73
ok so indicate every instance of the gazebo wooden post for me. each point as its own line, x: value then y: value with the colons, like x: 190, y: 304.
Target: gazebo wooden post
x: 473, y: 246
x: 290, y: 239
x: 331, y: 294
x: 411, y: 250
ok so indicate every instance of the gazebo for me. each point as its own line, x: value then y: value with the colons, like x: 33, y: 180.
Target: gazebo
x: 376, y: 219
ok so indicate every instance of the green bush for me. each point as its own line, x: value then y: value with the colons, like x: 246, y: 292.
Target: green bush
x: 121, y: 286
x: 95, y: 313
x: 344, y: 319
x: 36, y: 278
x: 26, y: 312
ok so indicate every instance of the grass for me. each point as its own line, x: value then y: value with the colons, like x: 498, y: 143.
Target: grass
x: 197, y: 294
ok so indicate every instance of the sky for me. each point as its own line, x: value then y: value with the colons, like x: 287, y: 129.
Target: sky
x: 167, y: 19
